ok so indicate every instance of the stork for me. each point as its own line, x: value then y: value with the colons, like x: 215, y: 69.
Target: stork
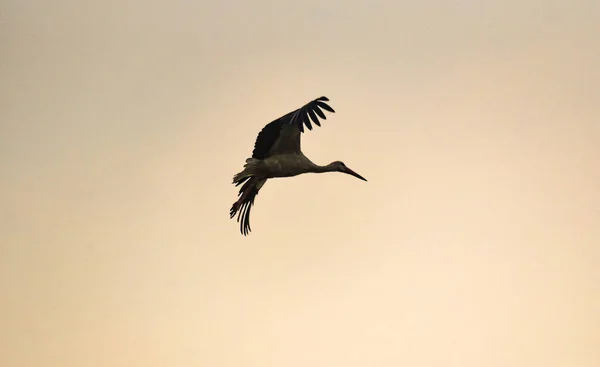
x: 277, y: 153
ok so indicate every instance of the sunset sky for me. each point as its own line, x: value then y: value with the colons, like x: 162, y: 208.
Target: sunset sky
x: 474, y: 243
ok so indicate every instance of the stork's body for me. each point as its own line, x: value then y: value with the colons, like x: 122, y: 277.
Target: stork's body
x: 277, y: 153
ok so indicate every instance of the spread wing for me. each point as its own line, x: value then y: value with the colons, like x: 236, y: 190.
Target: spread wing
x: 283, y: 135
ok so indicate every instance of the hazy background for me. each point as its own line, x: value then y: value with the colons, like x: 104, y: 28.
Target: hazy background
x: 476, y: 241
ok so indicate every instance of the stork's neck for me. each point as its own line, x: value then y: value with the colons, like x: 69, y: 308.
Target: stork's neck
x: 326, y: 168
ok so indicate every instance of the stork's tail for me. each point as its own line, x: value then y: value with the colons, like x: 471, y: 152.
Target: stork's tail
x: 250, y: 169
x: 247, y: 194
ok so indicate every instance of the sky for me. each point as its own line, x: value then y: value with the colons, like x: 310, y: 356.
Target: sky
x: 475, y: 241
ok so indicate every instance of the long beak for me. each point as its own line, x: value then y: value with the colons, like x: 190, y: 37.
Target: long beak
x: 351, y: 172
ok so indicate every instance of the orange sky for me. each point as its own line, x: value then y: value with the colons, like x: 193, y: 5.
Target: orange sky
x: 475, y: 242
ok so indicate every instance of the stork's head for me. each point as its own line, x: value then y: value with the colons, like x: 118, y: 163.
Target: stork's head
x: 341, y: 167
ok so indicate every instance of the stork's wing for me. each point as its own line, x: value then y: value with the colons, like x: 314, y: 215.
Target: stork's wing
x: 283, y: 134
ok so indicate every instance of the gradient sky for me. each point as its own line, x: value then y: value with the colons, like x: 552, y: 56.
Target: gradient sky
x: 475, y: 243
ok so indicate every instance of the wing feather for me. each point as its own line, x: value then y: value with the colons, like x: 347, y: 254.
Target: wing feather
x: 267, y: 138
x: 324, y: 106
x: 313, y: 117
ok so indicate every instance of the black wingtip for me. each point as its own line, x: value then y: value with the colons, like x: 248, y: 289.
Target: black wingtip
x: 325, y: 106
x: 244, y: 204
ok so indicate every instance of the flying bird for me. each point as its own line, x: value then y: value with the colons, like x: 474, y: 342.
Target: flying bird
x: 277, y: 153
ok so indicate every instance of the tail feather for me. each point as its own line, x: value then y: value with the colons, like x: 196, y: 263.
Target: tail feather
x: 240, y: 181
x: 242, y: 206
x: 250, y: 169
